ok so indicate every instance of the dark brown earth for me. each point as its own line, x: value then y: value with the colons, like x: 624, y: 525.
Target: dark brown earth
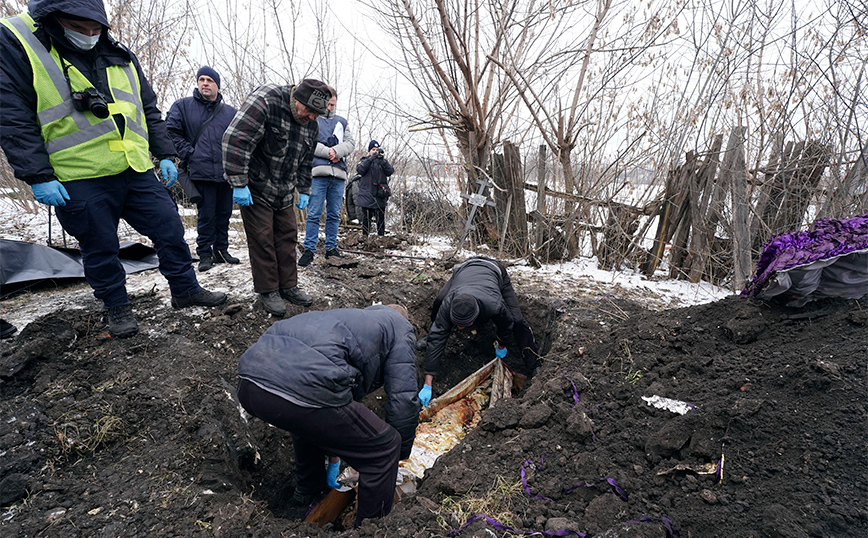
x: 142, y: 437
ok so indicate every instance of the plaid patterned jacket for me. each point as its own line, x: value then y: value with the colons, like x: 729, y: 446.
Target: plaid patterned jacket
x: 266, y: 149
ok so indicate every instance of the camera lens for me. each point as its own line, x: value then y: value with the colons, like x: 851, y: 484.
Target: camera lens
x: 99, y: 108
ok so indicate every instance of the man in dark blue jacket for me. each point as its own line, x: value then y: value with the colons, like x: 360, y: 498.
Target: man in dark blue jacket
x: 78, y: 120
x: 479, y: 290
x: 306, y: 374
x: 196, y: 125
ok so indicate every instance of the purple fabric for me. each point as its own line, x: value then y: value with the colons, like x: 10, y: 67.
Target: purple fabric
x: 501, y: 527
x: 575, y: 390
x: 611, y: 482
x: 829, y: 238
x: 667, y: 524
x: 524, y: 478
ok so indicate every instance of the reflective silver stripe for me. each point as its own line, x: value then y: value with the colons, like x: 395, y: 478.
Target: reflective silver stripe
x: 137, y: 128
x: 125, y: 96
x: 137, y: 97
x: 56, y: 112
x: 80, y: 137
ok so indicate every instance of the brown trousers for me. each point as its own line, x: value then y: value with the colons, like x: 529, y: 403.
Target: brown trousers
x: 272, y: 238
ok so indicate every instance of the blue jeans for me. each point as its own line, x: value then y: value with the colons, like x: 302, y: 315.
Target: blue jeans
x: 91, y: 216
x: 331, y: 191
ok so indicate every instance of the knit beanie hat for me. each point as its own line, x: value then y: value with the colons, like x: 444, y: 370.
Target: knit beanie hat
x: 208, y: 72
x: 464, y: 310
x: 313, y: 94
x: 373, y: 144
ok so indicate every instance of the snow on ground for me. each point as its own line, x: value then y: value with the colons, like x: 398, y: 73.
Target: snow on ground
x: 573, y: 279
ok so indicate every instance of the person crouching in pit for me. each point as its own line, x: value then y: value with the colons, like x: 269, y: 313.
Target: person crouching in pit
x: 306, y: 374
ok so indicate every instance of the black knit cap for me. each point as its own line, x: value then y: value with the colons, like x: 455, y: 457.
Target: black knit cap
x: 464, y: 310
x: 313, y: 94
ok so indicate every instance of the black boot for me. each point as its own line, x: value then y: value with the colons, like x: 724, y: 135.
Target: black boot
x: 121, y: 321
x: 306, y: 258
x: 6, y: 329
x: 223, y: 256
x: 273, y: 304
x: 295, y: 296
x: 202, y: 297
x: 205, y: 263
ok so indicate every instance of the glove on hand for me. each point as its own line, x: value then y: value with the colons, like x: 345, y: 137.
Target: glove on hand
x: 50, y: 193
x: 241, y: 195
x: 170, y: 173
x: 302, y: 201
x: 425, y: 395
x: 500, y: 352
x: 332, y: 475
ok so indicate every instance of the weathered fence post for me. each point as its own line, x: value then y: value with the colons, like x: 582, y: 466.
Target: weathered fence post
x: 735, y: 169
x: 540, y: 193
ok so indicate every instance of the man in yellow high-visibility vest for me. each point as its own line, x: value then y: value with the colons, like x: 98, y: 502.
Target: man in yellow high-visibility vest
x: 77, y: 122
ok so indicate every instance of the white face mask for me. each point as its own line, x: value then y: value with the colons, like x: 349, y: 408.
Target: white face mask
x: 81, y: 41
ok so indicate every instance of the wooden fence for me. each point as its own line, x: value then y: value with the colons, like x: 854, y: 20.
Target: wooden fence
x: 713, y: 217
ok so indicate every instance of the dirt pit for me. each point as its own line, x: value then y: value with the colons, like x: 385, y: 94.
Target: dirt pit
x: 142, y: 437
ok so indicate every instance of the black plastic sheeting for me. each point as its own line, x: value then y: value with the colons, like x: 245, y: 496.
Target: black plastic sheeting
x: 24, y: 264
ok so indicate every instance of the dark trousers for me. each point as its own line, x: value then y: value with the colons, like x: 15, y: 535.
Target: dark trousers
x: 92, y: 213
x: 272, y: 237
x: 213, y: 219
x: 352, y: 432
x: 379, y: 215
x: 521, y: 331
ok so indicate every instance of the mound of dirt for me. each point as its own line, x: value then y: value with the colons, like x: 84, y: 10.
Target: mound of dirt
x: 143, y: 437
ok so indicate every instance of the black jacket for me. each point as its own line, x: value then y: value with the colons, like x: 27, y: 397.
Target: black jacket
x: 185, y: 120
x: 484, y: 279
x: 20, y: 134
x: 375, y: 170
x: 330, y: 358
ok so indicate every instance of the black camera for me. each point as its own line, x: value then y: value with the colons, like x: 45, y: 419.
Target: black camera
x: 380, y: 153
x: 89, y: 99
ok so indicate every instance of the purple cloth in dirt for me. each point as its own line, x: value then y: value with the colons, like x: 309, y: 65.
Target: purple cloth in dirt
x: 828, y: 239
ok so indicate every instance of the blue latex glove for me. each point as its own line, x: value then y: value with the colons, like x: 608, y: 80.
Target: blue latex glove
x: 425, y: 395
x: 241, y: 195
x: 302, y: 201
x: 332, y: 475
x: 500, y: 352
x: 50, y: 193
x: 170, y: 173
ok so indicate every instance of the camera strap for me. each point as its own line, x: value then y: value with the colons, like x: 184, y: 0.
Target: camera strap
x: 205, y: 123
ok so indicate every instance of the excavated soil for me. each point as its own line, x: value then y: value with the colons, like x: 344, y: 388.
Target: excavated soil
x: 143, y: 437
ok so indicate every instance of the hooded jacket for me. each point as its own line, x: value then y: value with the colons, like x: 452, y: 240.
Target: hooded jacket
x: 330, y: 358
x: 375, y: 170
x: 483, y: 279
x: 184, y: 121
x: 20, y: 132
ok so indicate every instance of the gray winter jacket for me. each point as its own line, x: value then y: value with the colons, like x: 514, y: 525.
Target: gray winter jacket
x: 330, y: 358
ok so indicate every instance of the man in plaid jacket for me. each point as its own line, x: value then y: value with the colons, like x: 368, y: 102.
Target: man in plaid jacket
x: 267, y: 154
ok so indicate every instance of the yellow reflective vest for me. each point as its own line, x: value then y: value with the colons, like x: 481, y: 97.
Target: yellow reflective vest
x: 80, y: 145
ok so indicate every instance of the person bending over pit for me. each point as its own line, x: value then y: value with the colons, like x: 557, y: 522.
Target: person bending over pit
x: 306, y: 374
x: 479, y: 290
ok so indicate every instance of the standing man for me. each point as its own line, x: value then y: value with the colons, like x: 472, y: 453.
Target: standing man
x: 329, y: 176
x: 374, y: 188
x: 77, y: 120
x: 479, y: 290
x: 307, y: 374
x: 267, y: 154
x: 196, y: 125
